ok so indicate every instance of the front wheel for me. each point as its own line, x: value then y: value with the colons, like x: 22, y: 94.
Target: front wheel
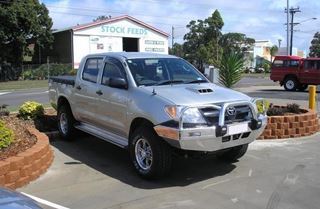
x: 234, y: 153
x: 290, y: 84
x: 150, y: 155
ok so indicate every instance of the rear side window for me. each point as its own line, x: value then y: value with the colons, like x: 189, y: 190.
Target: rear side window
x: 312, y: 64
x: 279, y: 63
x: 293, y: 63
x: 91, y: 69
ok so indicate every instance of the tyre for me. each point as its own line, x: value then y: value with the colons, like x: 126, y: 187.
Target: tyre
x: 151, y: 155
x: 290, y: 84
x: 302, y: 87
x: 234, y: 153
x: 66, y: 122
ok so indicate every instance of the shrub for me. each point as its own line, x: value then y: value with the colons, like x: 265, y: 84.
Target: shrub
x: 6, y: 136
x: 260, y: 105
x: 276, y: 111
x: 3, y: 110
x: 31, y: 110
x: 293, y: 108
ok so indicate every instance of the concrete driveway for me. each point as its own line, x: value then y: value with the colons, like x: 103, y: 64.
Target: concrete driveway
x: 91, y: 173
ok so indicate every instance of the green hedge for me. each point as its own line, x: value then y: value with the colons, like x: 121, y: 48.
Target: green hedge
x: 42, y: 71
x: 31, y: 110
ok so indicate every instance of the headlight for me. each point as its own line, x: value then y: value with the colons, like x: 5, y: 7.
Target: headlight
x: 191, y: 117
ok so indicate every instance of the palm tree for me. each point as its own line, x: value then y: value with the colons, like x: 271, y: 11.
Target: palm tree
x: 273, y: 51
x: 230, y: 69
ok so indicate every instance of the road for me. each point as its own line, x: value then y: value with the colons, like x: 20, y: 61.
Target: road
x: 91, y: 173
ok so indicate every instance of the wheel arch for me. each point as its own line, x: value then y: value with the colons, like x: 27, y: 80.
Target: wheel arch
x: 137, y: 122
x: 63, y: 101
x: 290, y: 76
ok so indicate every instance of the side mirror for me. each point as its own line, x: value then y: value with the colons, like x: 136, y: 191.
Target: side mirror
x: 119, y: 83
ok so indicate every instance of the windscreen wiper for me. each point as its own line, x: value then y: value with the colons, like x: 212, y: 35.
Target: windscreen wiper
x: 169, y: 82
x: 198, y: 81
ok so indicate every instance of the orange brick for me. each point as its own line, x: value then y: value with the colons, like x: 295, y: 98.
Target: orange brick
x: 266, y: 132
x: 284, y: 125
x: 22, y: 181
x: 297, y: 118
x: 12, y: 176
x: 272, y: 137
x: 279, y: 132
x: 311, y: 122
x: 16, y: 163
x: 294, y: 125
x: 4, y: 167
x: 272, y: 126
x: 277, y: 119
x: 303, y: 123
x: 300, y: 131
x: 288, y: 119
x: 11, y: 185
x: 2, y: 180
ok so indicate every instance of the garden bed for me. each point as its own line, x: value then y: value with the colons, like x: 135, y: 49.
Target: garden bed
x: 291, y: 125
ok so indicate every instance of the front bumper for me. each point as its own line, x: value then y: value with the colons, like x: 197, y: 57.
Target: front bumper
x: 214, y: 138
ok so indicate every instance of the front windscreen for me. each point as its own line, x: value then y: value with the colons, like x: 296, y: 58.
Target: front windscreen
x: 163, y: 71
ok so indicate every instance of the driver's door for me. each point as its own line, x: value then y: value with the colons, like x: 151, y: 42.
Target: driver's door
x: 112, y: 102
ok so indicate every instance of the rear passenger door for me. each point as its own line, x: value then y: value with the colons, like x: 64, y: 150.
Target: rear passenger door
x: 86, y: 87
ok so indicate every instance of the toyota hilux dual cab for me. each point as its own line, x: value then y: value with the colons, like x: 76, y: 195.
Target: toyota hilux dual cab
x: 295, y: 73
x: 154, y: 105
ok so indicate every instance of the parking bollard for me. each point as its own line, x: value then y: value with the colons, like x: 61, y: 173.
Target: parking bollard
x: 312, y: 97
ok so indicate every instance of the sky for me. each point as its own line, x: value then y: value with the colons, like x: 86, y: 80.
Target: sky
x: 258, y: 19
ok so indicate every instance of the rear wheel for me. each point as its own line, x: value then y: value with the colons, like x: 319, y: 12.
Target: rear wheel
x: 234, y: 153
x: 66, y: 122
x: 302, y: 87
x: 290, y: 84
x: 150, y: 155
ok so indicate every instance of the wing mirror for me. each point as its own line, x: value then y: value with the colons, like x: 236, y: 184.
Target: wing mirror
x: 119, y: 83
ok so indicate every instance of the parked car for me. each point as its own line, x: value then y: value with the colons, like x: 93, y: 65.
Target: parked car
x: 10, y: 199
x: 294, y: 72
x: 154, y: 105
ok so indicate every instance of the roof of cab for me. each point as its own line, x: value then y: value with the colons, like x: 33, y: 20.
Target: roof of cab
x: 133, y: 55
x: 285, y: 57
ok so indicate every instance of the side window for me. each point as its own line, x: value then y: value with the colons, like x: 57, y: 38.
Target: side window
x: 91, y: 69
x: 310, y: 64
x: 112, y: 69
x: 294, y: 63
x: 278, y: 63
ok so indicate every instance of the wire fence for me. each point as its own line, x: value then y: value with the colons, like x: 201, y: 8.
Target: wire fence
x: 34, y: 71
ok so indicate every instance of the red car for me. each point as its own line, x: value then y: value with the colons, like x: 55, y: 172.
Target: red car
x: 294, y: 72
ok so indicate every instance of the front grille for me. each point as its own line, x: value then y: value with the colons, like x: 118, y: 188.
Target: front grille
x: 242, y: 113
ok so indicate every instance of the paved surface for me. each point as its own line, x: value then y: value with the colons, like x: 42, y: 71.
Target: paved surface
x: 16, y: 98
x: 90, y: 173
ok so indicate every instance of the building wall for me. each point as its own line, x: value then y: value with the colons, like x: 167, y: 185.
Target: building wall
x: 108, y: 38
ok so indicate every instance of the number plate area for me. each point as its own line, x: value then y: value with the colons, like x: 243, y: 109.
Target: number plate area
x: 238, y: 128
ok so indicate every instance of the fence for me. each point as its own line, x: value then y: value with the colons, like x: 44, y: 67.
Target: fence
x: 34, y: 71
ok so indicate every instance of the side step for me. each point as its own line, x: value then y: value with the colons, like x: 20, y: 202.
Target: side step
x: 102, y: 134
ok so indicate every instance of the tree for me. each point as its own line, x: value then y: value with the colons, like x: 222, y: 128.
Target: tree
x: 177, y: 50
x: 236, y: 42
x: 315, y: 46
x: 201, y: 44
x: 102, y: 17
x: 273, y: 51
x: 230, y: 68
x: 22, y: 22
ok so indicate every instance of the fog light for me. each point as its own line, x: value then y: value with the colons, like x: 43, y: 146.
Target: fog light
x: 221, y: 130
x: 255, y: 124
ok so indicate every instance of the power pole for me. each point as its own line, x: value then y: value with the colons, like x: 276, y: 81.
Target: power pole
x: 279, y: 42
x: 292, y: 12
x: 287, y: 11
x: 172, y: 37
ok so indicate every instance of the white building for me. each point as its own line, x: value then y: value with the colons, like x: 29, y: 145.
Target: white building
x: 295, y: 52
x: 116, y: 34
x: 261, y: 51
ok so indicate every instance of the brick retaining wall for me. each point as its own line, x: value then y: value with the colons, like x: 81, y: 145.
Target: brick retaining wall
x: 290, y: 126
x: 27, y: 166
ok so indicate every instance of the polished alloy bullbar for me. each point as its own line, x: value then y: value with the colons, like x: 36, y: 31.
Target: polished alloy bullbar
x: 179, y: 132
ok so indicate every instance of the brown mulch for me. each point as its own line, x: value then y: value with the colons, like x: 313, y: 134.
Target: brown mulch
x: 23, y: 139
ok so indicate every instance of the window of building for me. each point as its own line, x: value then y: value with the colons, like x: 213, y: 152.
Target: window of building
x: 91, y: 69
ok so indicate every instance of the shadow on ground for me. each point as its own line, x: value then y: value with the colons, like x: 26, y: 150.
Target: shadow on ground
x: 114, y: 162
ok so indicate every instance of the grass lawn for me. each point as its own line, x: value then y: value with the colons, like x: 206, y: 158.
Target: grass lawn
x: 27, y: 84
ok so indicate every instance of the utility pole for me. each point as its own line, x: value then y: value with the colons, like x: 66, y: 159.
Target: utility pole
x: 287, y: 10
x: 292, y: 12
x: 172, y: 37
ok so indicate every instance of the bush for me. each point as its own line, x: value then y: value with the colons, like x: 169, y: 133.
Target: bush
x: 260, y: 105
x: 294, y: 108
x: 6, y: 136
x: 31, y: 110
x: 276, y: 111
x: 3, y: 110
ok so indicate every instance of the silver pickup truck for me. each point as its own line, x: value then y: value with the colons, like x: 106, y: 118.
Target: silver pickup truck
x: 154, y: 105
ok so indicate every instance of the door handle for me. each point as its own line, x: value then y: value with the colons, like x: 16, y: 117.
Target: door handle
x: 99, y: 92
x: 78, y: 87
